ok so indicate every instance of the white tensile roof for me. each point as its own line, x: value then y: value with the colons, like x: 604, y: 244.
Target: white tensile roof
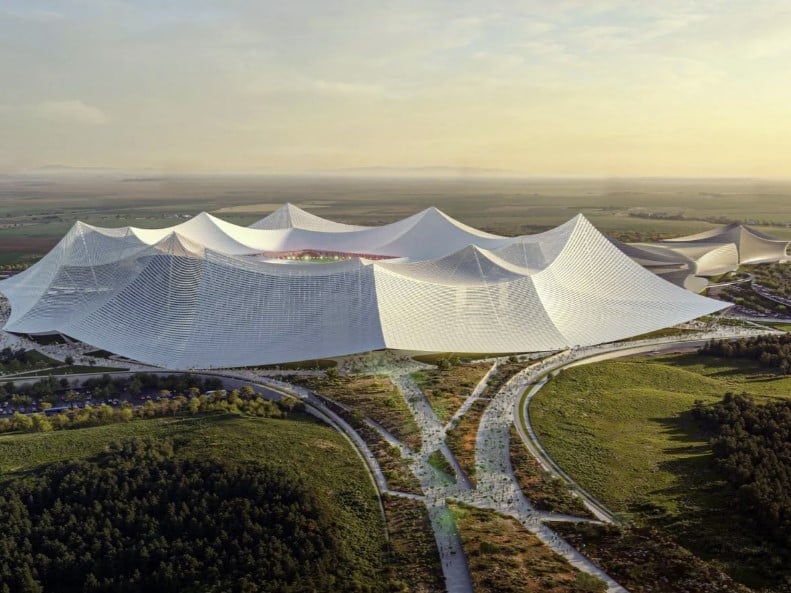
x: 206, y: 293
x: 684, y: 260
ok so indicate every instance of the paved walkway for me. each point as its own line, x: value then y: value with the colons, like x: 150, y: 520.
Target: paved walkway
x: 496, y: 488
x: 476, y: 394
x: 434, y: 485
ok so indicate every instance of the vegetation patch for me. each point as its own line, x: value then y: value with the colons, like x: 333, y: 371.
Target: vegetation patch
x: 244, y: 401
x: 745, y: 296
x: 626, y: 432
x: 773, y: 352
x: 665, y: 332
x: 373, y: 396
x: 504, y: 557
x: 503, y: 374
x: 329, y: 480
x: 19, y: 360
x: 447, y: 386
x: 438, y: 462
x: 776, y: 277
x: 645, y: 561
x: 141, y: 518
x: 394, y: 467
x: 461, y: 437
x: 752, y: 446
x: 545, y: 491
x: 413, y: 550
x: 452, y: 358
x: 316, y: 364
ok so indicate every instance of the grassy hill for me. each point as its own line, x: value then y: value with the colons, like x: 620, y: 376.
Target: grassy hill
x: 624, y: 430
x: 306, y: 449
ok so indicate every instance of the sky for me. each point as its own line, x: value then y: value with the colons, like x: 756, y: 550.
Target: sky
x: 598, y: 88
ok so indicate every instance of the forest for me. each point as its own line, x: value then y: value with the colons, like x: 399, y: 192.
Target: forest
x: 770, y: 351
x: 148, y: 516
x: 752, y: 443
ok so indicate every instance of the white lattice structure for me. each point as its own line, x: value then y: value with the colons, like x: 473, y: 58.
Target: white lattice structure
x: 687, y: 261
x: 207, y: 293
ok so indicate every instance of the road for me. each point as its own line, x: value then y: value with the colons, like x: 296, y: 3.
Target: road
x: 496, y: 488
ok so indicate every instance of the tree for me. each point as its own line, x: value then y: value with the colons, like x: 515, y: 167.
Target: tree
x: 60, y: 421
x: 126, y: 413
x: 69, y: 360
x: 41, y: 423
x: 29, y: 583
x: 22, y: 422
x: 135, y: 386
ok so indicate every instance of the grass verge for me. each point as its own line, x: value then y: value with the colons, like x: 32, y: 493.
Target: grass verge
x: 446, y: 389
x: 438, y: 462
x: 373, y: 396
x: 506, y: 558
x: 414, y: 556
x: 546, y: 492
x: 461, y: 438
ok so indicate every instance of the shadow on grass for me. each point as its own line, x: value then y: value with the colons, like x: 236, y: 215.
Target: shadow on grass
x: 729, y: 367
x: 705, y: 517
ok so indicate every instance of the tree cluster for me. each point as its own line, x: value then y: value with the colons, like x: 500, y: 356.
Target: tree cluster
x: 8, y: 354
x: 49, y: 388
x: 239, y: 401
x: 46, y: 389
x: 772, y: 351
x: 16, y: 360
x: 149, y: 518
x: 753, y: 444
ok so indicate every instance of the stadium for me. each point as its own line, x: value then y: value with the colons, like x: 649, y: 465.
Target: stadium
x: 293, y: 286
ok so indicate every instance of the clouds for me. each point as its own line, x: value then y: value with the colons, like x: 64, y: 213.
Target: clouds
x: 526, y: 85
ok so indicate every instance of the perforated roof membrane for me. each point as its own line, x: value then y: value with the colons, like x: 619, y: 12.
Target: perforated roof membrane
x: 191, y: 296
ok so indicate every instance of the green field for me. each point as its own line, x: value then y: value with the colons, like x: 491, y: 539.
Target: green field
x: 35, y: 212
x: 316, y: 453
x: 624, y: 431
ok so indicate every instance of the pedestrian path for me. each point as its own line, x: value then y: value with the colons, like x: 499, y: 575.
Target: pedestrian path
x: 496, y: 487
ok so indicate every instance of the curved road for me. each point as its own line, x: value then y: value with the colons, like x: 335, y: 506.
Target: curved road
x: 589, y: 356
x: 497, y: 488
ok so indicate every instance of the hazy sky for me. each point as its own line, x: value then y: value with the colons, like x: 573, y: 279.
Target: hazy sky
x: 544, y: 87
